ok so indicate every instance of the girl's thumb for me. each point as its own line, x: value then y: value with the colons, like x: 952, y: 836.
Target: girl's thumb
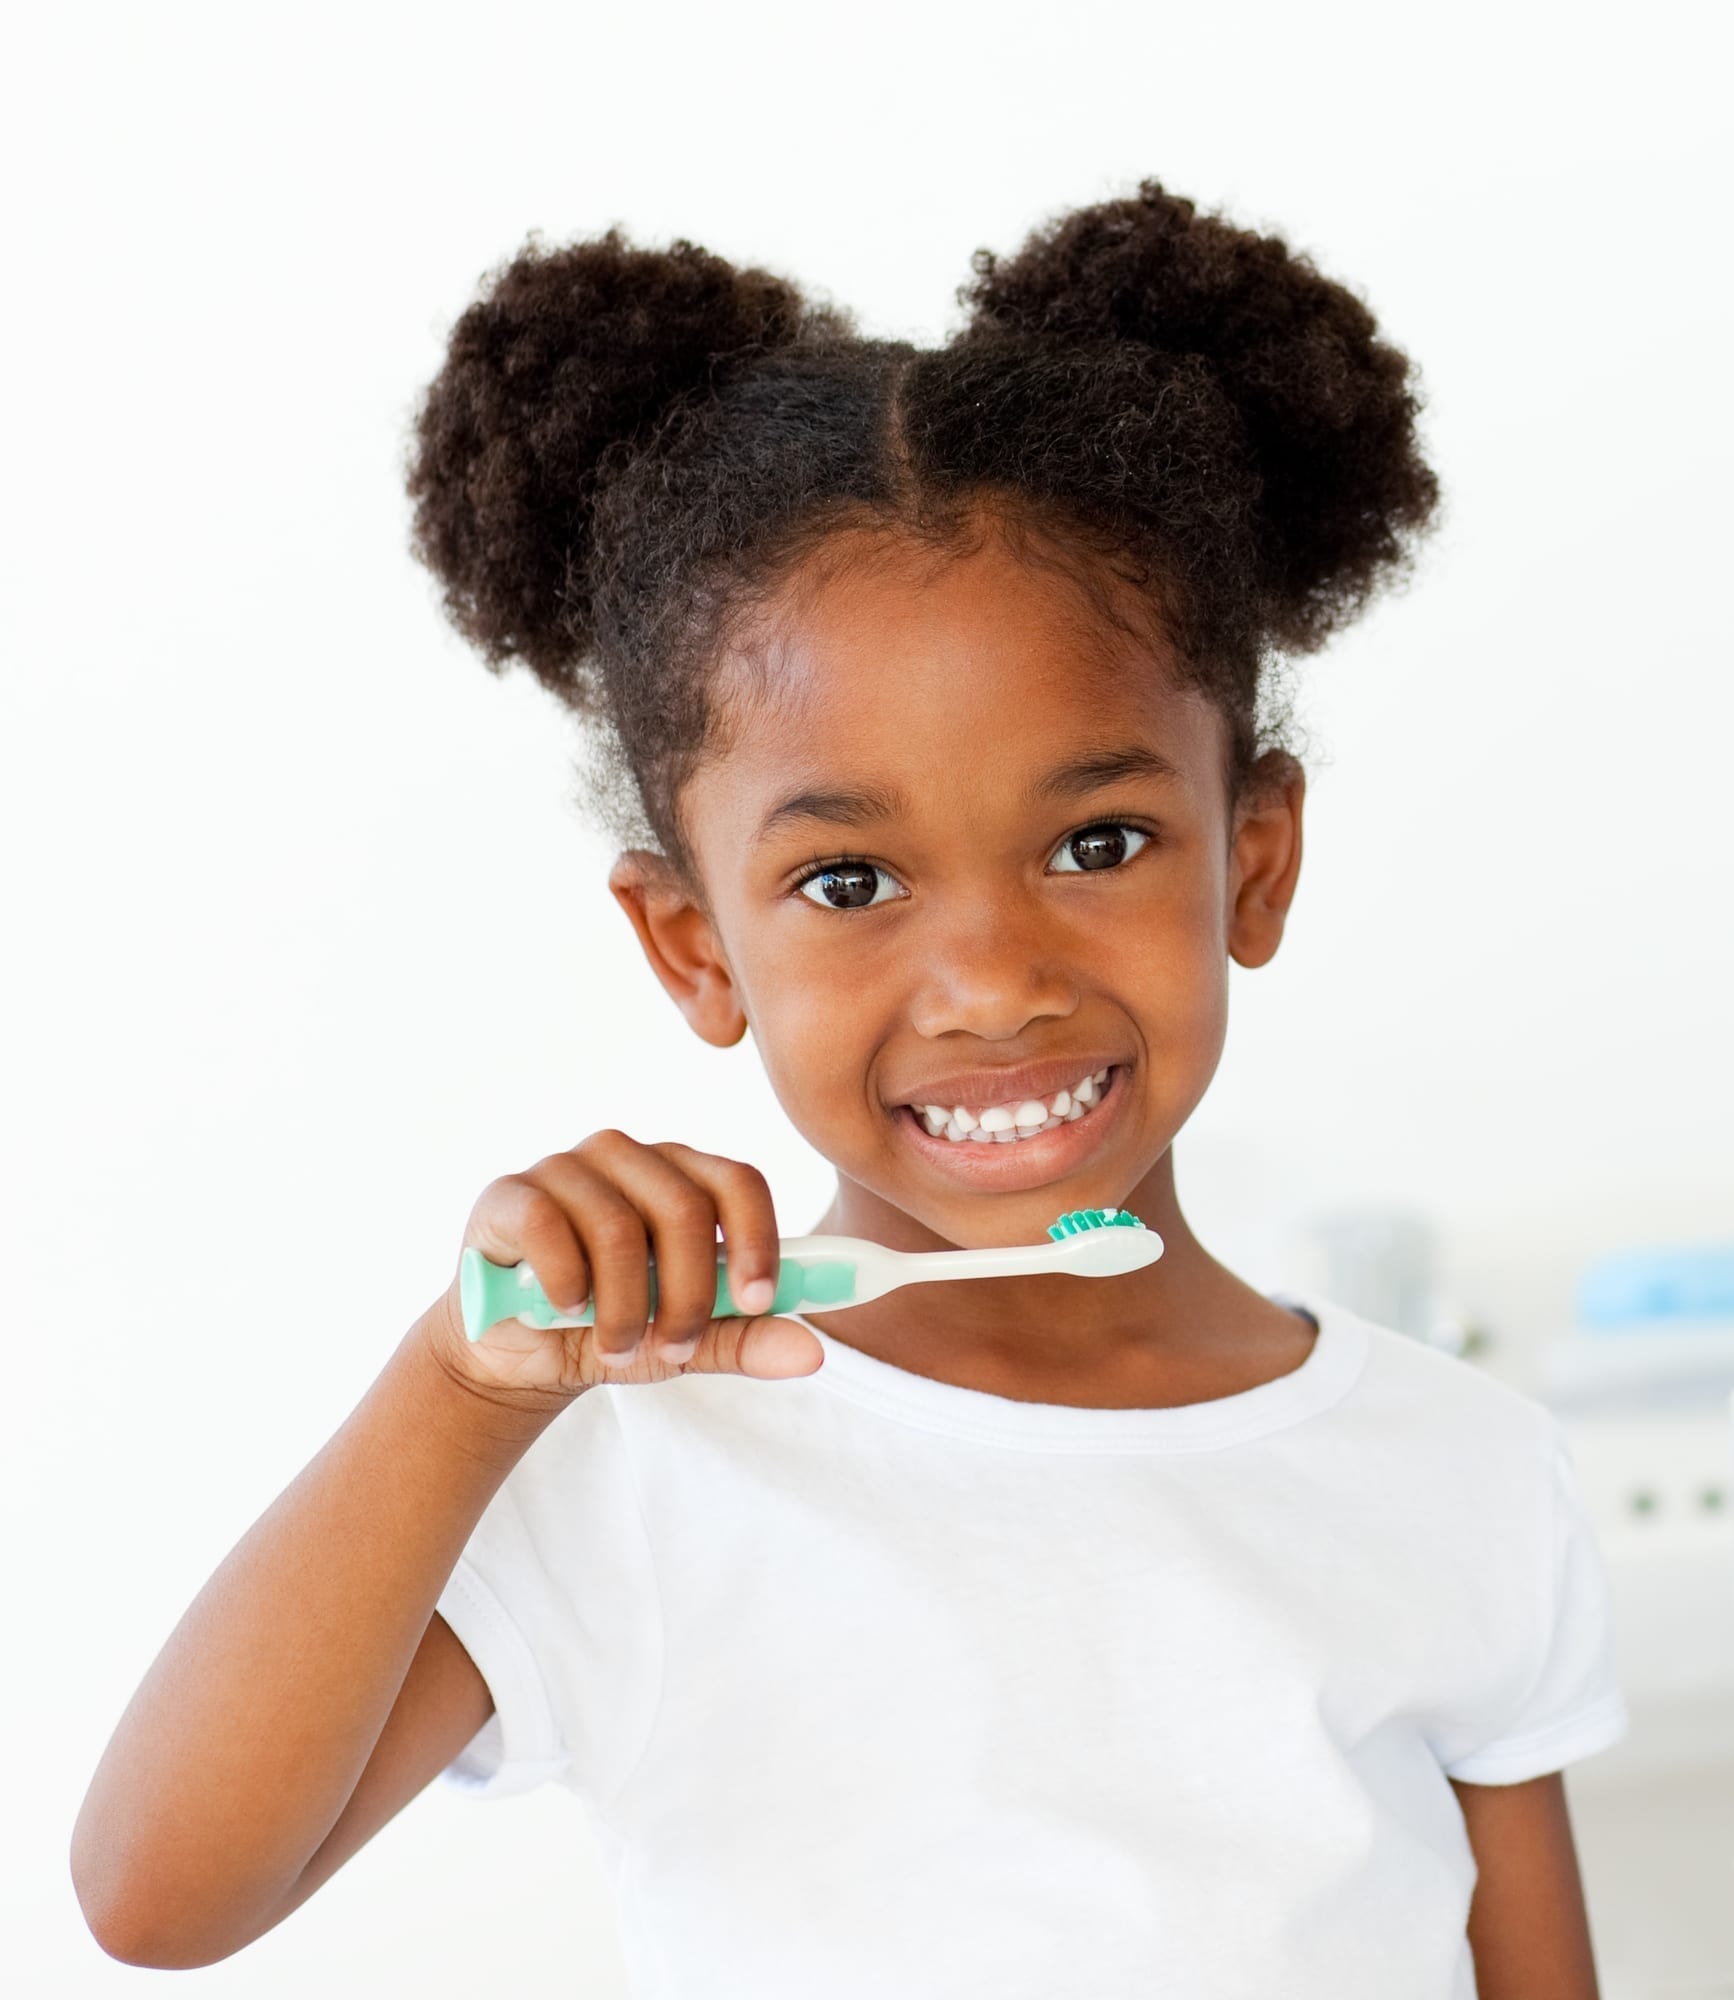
x: 765, y: 1345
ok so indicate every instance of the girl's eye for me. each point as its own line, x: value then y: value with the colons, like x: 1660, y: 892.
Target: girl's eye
x: 1104, y: 845
x: 849, y: 885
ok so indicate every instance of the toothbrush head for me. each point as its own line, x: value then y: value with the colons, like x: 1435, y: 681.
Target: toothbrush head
x: 1081, y: 1219
x: 1105, y: 1241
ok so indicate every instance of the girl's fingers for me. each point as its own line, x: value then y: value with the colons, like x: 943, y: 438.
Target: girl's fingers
x: 749, y: 1222
x: 515, y: 1219
x: 615, y: 1244
x: 679, y: 1218
x: 593, y: 1219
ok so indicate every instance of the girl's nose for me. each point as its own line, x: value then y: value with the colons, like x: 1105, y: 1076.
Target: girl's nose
x: 989, y: 977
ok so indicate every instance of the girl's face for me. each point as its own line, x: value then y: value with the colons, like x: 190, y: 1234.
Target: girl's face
x: 965, y: 845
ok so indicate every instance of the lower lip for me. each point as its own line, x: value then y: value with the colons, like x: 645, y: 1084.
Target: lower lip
x: 1023, y: 1163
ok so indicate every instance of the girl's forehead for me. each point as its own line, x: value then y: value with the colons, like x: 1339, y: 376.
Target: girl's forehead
x: 908, y: 692
x: 900, y: 644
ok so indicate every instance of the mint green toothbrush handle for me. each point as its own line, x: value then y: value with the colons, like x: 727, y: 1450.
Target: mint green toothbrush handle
x: 491, y: 1292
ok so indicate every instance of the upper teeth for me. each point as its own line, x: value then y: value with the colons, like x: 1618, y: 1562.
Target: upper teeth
x: 1018, y: 1118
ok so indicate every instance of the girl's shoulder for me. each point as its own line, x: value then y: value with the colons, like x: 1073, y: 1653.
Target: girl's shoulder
x: 1413, y: 1395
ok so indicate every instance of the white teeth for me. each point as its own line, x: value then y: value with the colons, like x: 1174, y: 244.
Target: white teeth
x: 1005, y: 1124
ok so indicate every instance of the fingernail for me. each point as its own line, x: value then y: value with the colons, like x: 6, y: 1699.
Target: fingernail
x: 758, y: 1294
x: 684, y: 1352
x: 619, y: 1359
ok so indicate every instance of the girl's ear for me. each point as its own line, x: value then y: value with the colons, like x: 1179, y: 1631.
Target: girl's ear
x: 681, y: 944
x: 1265, y: 862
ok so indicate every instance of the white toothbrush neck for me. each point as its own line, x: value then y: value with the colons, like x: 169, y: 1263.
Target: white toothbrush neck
x: 880, y: 1269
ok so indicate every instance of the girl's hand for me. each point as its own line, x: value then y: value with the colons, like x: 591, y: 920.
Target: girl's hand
x: 590, y: 1220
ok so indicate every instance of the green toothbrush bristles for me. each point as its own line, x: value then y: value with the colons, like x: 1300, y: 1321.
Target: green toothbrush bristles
x: 1081, y: 1219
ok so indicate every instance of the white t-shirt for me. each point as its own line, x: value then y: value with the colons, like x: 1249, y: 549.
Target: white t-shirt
x: 874, y: 1685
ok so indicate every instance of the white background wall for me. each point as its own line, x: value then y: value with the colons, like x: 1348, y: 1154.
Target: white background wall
x: 273, y: 834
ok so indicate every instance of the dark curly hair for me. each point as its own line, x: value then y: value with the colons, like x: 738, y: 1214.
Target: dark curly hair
x: 626, y: 450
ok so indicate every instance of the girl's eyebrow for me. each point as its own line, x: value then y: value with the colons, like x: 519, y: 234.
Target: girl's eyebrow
x: 1102, y: 767
x: 864, y: 805
x: 869, y: 805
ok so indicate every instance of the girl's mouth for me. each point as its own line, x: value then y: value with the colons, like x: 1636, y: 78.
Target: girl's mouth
x: 1021, y: 1143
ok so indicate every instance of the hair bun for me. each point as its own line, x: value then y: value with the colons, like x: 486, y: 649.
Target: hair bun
x: 568, y: 359
x: 1325, y: 404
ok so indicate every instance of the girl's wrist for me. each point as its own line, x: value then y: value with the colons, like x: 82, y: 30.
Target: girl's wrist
x: 485, y: 1419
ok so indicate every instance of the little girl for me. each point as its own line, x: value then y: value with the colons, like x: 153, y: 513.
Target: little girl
x: 1016, y: 1638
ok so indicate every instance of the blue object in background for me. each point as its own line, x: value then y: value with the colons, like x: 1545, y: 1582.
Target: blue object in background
x: 1657, y: 1285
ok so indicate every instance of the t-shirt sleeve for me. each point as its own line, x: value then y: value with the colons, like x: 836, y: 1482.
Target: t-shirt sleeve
x: 1573, y: 1706
x: 554, y: 1598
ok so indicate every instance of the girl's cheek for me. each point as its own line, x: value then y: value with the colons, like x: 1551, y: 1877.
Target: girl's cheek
x: 814, y: 1060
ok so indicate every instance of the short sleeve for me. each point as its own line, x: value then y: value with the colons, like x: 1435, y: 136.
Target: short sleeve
x: 554, y: 1598
x: 1573, y: 1706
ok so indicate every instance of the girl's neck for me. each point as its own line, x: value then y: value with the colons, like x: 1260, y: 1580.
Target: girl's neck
x: 1184, y: 1328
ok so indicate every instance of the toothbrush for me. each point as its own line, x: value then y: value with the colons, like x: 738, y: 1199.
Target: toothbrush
x: 834, y: 1271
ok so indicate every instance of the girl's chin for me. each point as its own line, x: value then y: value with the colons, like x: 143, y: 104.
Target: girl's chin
x: 1007, y: 1167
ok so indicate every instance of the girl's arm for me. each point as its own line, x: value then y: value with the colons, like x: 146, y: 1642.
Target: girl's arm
x: 256, y: 1754
x: 1528, y: 1929
x: 310, y: 1691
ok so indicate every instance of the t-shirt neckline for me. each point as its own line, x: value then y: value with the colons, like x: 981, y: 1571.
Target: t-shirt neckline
x: 1335, y: 1360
